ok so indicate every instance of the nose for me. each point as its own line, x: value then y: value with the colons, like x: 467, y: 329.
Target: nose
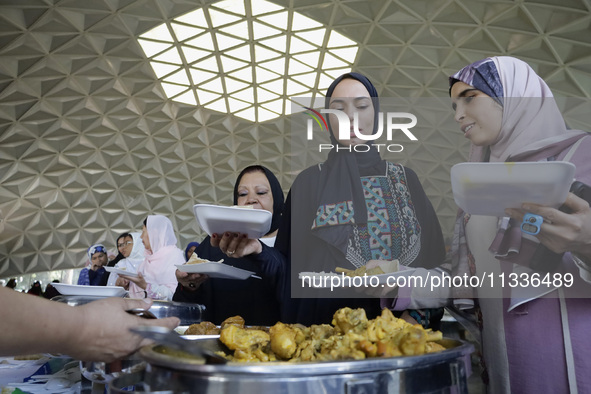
x: 251, y: 199
x: 459, y: 115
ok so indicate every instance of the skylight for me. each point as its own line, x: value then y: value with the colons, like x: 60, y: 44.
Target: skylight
x: 246, y: 57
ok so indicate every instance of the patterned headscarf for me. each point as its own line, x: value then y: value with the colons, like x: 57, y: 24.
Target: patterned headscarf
x: 96, y: 248
x: 531, y: 117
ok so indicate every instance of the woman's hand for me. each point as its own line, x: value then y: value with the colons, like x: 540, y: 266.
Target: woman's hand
x: 190, y: 281
x: 138, y: 280
x: 236, y: 245
x: 122, y: 282
x: 562, y: 232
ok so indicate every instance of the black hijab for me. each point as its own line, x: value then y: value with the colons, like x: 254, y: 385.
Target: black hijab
x: 278, y: 199
x: 341, y: 173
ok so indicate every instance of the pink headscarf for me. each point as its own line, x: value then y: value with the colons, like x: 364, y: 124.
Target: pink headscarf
x: 531, y: 118
x: 532, y: 129
x: 158, y: 268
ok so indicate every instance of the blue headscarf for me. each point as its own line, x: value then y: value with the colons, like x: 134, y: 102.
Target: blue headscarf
x: 189, y: 246
x: 483, y: 75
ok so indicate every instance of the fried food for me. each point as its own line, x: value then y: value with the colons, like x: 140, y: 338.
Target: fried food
x: 383, y: 267
x: 194, y: 259
x: 237, y: 321
x: 203, y: 328
x: 351, y: 336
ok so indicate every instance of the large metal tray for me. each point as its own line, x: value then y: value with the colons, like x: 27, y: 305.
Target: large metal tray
x: 442, y: 372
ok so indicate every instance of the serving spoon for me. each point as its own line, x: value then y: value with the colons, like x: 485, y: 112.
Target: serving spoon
x: 171, y: 338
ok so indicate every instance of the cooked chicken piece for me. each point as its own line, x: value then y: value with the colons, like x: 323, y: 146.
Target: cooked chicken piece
x: 347, y: 319
x: 237, y: 321
x: 203, y: 328
x: 285, y: 339
x: 235, y: 337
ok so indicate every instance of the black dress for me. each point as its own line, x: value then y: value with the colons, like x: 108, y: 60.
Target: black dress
x: 254, y: 299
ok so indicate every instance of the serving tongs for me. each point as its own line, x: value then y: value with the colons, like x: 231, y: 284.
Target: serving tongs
x: 165, y: 336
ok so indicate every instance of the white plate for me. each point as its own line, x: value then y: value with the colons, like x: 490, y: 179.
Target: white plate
x: 325, y: 280
x: 490, y: 188
x: 181, y: 331
x: 119, y: 271
x: 97, y: 291
x: 216, y: 270
x: 218, y: 219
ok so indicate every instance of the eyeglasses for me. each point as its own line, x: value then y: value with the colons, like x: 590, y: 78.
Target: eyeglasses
x: 124, y: 244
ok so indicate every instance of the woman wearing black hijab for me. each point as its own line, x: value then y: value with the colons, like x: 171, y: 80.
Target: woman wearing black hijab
x: 353, y: 208
x: 254, y: 299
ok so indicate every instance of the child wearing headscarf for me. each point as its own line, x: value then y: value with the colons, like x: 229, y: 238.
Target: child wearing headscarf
x: 133, y: 261
x: 93, y: 274
x: 156, y: 274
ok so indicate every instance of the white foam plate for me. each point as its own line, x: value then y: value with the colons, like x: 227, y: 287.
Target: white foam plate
x: 325, y: 281
x: 96, y: 291
x: 216, y: 270
x: 119, y: 271
x: 181, y: 331
x: 490, y: 188
x: 219, y: 219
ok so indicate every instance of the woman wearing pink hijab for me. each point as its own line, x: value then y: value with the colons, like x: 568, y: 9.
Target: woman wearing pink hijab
x: 156, y: 274
x: 534, y: 338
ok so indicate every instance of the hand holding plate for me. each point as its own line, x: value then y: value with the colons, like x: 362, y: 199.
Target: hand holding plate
x: 190, y: 281
x: 236, y: 245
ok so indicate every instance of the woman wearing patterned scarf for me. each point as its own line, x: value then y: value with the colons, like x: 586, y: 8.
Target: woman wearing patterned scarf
x: 352, y: 209
x: 92, y: 276
x: 534, y: 339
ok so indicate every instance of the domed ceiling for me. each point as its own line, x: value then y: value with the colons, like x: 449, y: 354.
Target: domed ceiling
x: 113, y: 110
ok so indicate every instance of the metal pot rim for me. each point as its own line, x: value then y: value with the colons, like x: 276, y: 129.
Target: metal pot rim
x: 455, y: 349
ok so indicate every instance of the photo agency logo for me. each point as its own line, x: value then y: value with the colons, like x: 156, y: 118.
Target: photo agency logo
x: 395, y: 121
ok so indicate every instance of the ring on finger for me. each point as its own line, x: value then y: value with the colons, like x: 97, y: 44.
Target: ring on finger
x: 192, y: 285
x: 230, y: 252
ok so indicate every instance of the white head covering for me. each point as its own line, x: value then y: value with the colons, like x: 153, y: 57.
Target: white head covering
x: 158, y: 267
x: 131, y: 263
x: 160, y: 232
x: 137, y: 255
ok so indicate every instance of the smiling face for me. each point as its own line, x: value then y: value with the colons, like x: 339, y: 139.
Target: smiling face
x: 254, y: 189
x: 480, y: 117
x: 351, y: 96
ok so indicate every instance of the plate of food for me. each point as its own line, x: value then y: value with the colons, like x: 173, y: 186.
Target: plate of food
x: 120, y: 271
x: 490, y: 188
x: 215, y: 269
x: 202, y: 330
x: 95, y: 291
x: 217, y: 219
x: 345, y: 277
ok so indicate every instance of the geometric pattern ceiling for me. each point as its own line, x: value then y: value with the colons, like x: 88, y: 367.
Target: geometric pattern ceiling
x: 90, y: 144
x: 246, y: 57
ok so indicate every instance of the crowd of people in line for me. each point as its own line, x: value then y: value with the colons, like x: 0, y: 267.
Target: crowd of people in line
x: 357, y: 209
